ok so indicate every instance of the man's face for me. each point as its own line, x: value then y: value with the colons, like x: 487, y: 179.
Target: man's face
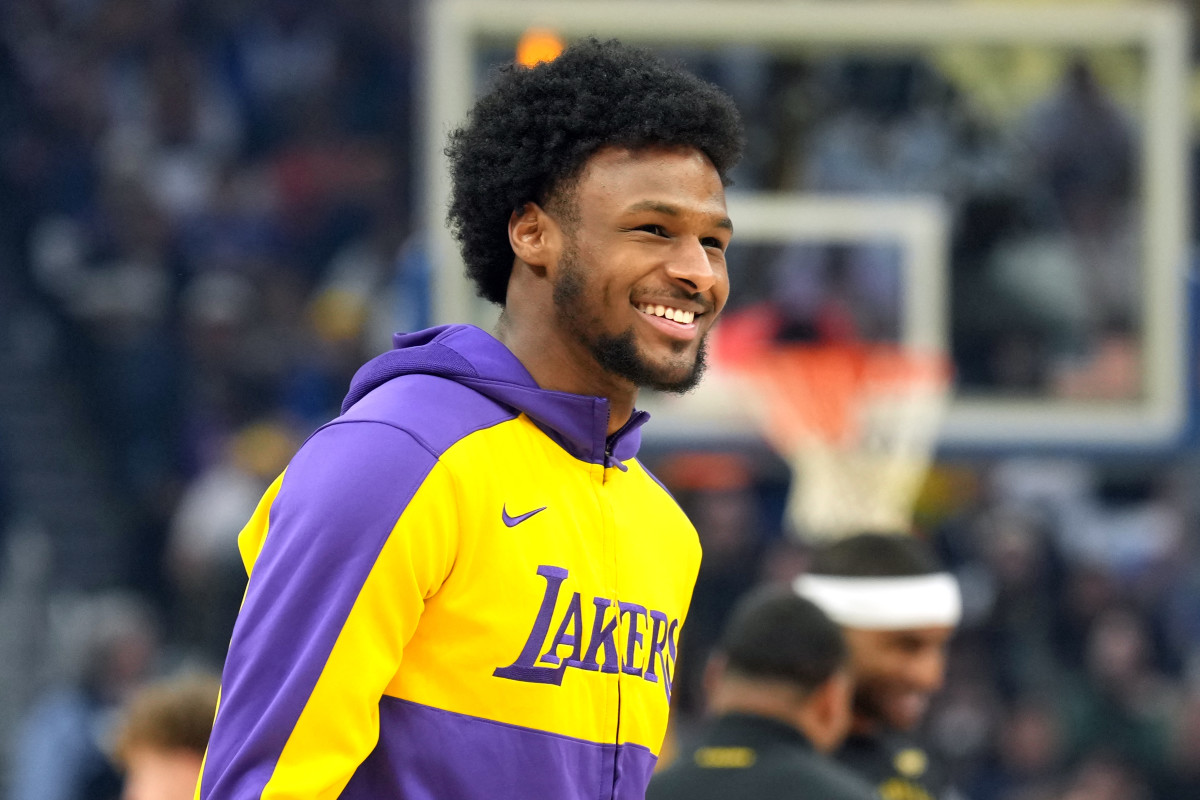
x: 642, y: 275
x: 897, y: 672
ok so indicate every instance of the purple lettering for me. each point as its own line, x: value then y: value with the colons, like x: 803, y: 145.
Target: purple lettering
x: 669, y: 671
x: 574, y: 617
x: 634, y: 637
x: 655, y: 663
x: 657, y: 645
x: 601, y: 636
x: 524, y: 668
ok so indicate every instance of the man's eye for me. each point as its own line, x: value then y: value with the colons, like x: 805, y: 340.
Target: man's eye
x: 712, y: 241
x: 656, y: 230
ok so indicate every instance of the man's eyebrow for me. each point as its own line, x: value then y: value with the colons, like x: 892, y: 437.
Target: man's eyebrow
x: 673, y: 211
x: 655, y: 205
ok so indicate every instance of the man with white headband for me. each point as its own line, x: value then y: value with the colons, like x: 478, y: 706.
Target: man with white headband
x: 898, y: 610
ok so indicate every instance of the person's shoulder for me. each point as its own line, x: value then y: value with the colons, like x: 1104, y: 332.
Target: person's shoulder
x: 668, y: 784
x: 828, y: 780
x: 796, y: 776
x: 690, y: 782
x: 434, y: 410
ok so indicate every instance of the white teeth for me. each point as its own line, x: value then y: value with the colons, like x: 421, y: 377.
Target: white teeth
x: 674, y: 314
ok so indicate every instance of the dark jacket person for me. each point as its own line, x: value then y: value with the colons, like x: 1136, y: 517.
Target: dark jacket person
x: 780, y: 693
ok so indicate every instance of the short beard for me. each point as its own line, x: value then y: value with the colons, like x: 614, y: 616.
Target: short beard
x: 867, y: 706
x: 617, y: 354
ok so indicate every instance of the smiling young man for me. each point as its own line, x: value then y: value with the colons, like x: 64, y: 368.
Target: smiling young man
x: 898, y: 610
x: 467, y: 586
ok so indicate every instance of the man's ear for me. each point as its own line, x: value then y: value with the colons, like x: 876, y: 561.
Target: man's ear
x: 535, y: 237
x: 829, y: 711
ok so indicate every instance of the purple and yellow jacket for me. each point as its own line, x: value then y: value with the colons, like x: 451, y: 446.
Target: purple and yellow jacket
x: 460, y: 588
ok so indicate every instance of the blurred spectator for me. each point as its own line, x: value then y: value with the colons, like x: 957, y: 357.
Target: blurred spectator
x: 1084, y: 148
x: 284, y: 54
x: 119, y: 295
x: 1029, y: 755
x: 205, y: 568
x: 1101, y: 777
x: 1122, y: 705
x: 108, y: 646
x: 161, y: 738
x: 1184, y: 750
x: 225, y: 381
x: 1022, y: 569
x: 176, y: 129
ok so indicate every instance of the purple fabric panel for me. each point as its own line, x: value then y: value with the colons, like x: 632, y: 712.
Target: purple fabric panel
x: 436, y: 411
x: 472, y: 357
x: 426, y: 753
x: 490, y: 357
x: 418, y: 352
x: 340, y: 499
x: 635, y: 764
x: 576, y: 422
x: 627, y: 440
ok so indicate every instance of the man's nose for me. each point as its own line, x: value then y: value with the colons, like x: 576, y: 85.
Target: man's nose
x: 928, y: 670
x: 692, y: 265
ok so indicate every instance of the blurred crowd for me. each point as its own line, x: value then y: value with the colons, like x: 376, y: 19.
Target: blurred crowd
x: 1044, y: 295
x: 212, y: 204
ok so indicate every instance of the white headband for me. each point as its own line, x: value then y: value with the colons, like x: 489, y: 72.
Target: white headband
x: 921, y: 601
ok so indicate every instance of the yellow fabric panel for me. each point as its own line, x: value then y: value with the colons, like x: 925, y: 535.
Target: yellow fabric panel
x: 254, y: 532
x: 484, y: 614
x: 340, y: 723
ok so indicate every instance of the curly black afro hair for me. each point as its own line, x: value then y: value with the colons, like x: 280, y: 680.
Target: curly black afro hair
x: 531, y: 135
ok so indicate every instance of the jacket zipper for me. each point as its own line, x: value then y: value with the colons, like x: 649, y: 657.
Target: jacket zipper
x: 609, y: 440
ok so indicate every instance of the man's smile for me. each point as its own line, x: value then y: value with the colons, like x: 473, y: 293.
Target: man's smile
x: 668, y: 312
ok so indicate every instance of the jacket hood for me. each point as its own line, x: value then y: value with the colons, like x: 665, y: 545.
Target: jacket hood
x: 472, y: 357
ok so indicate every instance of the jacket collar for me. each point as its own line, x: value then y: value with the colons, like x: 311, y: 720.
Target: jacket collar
x: 471, y: 356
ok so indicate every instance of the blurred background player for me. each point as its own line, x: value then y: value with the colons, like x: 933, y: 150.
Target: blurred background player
x: 160, y: 742
x: 779, y: 690
x: 898, y: 610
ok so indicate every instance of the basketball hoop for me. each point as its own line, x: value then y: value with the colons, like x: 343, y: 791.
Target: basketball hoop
x: 856, y: 422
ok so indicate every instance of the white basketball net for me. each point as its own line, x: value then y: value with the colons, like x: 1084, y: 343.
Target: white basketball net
x: 858, y: 434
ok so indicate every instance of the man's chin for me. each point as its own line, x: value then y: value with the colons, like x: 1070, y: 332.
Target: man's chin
x: 905, y: 712
x: 678, y: 374
x: 673, y: 382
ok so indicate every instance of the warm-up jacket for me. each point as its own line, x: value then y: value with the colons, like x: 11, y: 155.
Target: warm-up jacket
x: 460, y: 588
